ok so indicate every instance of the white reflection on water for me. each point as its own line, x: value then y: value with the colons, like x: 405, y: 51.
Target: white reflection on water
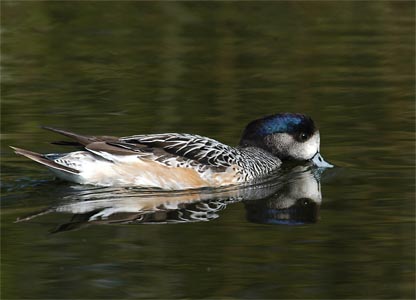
x: 288, y: 197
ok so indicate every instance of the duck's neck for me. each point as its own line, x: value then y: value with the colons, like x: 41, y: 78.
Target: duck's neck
x: 256, y: 162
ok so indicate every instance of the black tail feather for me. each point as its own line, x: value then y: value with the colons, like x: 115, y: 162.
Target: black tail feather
x: 66, y: 143
x: 81, y: 139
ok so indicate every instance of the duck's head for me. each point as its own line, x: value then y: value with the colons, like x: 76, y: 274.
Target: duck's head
x: 288, y: 136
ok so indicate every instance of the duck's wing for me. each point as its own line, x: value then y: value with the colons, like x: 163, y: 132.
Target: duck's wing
x: 163, y: 147
x: 199, y: 149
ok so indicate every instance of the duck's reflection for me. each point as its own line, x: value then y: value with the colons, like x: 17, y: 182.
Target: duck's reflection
x: 289, y: 197
x: 296, y: 202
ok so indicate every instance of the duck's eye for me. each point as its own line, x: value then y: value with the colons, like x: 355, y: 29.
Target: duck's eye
x: 303, y: 136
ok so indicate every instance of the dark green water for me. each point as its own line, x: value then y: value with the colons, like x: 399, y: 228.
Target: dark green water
x: 209, y: 68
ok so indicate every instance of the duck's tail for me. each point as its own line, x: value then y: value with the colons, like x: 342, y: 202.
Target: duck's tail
x: 42, y: 159
x: 81, y: 140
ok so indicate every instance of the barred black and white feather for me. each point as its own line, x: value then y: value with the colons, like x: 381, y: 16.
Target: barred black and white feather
x: 193, y: 147
x: 251, y: 162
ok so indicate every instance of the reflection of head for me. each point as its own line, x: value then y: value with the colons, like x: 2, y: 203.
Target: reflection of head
x: 304, y: 210
x: 297, y: 202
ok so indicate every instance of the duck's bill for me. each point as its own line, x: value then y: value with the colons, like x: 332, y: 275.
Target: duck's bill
x: 320, y: 162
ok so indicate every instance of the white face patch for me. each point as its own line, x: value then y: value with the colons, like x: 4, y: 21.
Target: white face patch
x: 307, y: 149
x: 286, y: 144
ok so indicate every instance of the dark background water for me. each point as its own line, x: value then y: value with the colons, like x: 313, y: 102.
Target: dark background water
x: 125, y: 68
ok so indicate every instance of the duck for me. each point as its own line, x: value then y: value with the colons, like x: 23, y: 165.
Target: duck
x: 176, y: 161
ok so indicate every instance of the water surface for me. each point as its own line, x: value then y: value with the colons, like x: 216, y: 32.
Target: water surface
x: 122, y: 68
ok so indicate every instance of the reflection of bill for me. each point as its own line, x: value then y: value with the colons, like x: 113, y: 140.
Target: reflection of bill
x: 288, y: 197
